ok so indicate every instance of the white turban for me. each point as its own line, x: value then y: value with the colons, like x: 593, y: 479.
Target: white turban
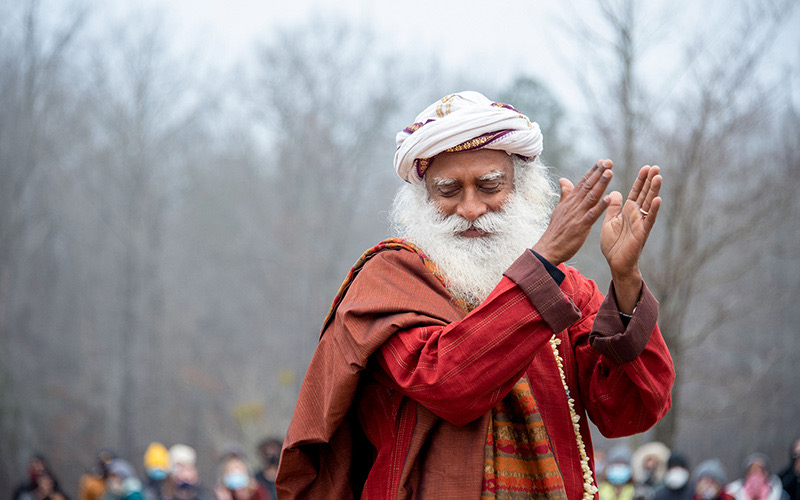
x: 462, y: 122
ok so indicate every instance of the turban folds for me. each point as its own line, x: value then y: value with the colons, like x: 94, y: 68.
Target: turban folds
x: 462, y: 122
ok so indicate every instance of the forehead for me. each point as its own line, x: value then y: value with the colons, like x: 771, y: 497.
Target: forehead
x: 467, y: 165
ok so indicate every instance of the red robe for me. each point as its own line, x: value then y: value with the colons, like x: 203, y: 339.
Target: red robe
x: 397, y: 399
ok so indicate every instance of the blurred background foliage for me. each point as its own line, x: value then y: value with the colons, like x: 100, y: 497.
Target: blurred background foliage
x: 173, y: 227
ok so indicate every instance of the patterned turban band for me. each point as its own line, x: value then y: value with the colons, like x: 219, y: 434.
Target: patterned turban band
x: 463, y: 122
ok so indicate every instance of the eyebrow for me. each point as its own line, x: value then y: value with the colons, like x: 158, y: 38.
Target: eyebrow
x: 492, y: 176
x: 443, y: 182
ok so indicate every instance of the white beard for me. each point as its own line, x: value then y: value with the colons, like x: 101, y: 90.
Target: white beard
x: 473, y: 267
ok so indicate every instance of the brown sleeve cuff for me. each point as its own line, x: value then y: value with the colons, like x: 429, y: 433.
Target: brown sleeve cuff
x: 530, y: 275
x: 616, y: 342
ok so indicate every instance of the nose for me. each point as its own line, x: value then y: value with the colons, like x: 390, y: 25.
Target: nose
x: 471, y: 206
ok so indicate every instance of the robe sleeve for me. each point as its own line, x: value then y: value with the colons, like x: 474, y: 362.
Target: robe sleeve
x: 459, y: 366
x: 625, y: 371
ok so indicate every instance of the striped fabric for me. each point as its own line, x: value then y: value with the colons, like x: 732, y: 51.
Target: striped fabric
x: 519, y: 461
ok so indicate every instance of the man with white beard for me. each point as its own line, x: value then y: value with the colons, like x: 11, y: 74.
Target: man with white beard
x: 464, y: 359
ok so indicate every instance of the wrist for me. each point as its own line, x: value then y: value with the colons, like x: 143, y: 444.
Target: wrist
x: 544, y: 253
x: 631, y: 278
x: 627, y: 290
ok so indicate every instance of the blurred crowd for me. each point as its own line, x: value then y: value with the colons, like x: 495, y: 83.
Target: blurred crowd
x: 654, y: 472
x: 169, y: 474
x: 650, y: 472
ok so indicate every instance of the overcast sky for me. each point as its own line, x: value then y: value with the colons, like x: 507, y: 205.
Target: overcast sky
x: 493, y: 40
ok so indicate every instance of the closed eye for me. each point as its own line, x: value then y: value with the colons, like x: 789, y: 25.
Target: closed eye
x: 491, y: 187
x: 448, y: 191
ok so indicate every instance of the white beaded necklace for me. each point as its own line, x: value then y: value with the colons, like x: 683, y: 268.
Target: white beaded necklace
x: 589, y: 489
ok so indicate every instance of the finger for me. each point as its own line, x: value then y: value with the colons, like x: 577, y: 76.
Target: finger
x: 614, y: 205
x: 650, y: 220
x: 640, y: 184
x: 645, y: 196
x: 594, y: 173
x: 566, y: 187
x: 594, y: 194
x: 603, y: 205
x: 652, y: 193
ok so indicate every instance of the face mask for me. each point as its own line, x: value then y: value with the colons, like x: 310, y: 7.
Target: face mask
x: 184, y: 486
x: 157, y: 474
x: 706, y: 489
x: 236, y: 480
x: 676, y: 478
x: 709, y: 493
x: 618, y: 474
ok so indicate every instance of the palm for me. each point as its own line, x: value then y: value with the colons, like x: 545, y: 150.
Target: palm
x: 626, y: 227
x: 622, y: 236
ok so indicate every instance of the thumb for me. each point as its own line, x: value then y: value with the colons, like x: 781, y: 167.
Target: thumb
x: 566, y: 187
x: 614, y: 205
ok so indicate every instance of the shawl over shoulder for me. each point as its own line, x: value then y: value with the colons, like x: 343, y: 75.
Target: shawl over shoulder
x: 318, y: 449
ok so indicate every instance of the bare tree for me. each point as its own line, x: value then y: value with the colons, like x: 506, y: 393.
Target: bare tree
x: 173, y: 254
x: 145, y: 115
x: 327, y: 94
x: 701, y: 129
x: 34, y: 132
x: 533, y: 98
x: 288, y: 200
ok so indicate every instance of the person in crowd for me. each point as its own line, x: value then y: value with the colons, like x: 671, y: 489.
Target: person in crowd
x: 92, y: 485
x: 121, y: 482
x: 236, y: 483
x: 156, y: 468
x: 790, y: 476
x: 41, y: 483
x: 600, y: 460
x: 618, y: 483
x: 676, y: 485
x: 709, y: 481
x: 184, y: 478
x: 441, y: 342
x: 757, y: 481
x: 649, y: 464
x: 35, y: 467
x: 233, y: 449
x: 269, y: 450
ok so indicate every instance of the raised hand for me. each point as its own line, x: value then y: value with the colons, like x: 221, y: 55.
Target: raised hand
x: 579, y: 208
x: 625, y: 231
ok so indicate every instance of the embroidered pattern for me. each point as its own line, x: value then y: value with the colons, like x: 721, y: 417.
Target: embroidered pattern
x: 518, y: 457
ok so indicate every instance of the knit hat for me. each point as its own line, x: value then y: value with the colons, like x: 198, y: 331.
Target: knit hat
x: 677, y: 460
x: 156, y: 456
x: 654, y: 449
x: 711, y: 468
x: 182, y: 454
x: 619, y: 454
x: 121, y: 468
x: 760, y: 459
